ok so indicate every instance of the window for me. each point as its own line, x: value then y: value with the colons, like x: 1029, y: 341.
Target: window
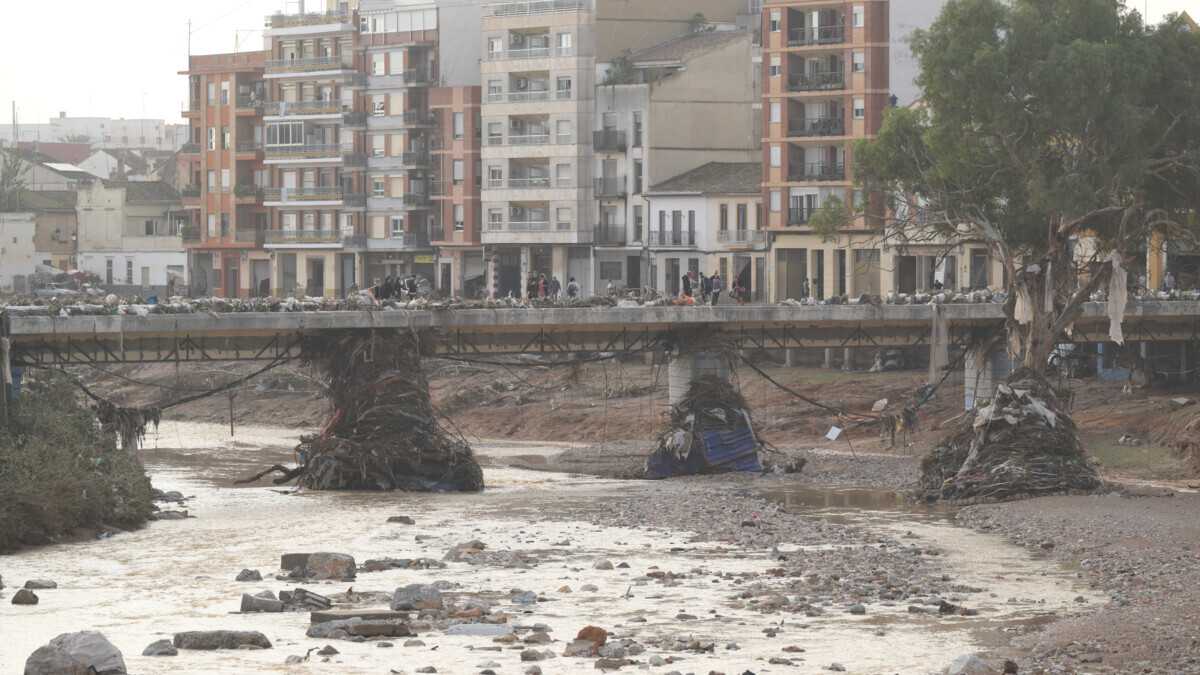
x: 776, y: 201
x: 212, y: 92
x: 637, y: 128
x: 108, y: 271
x: 459, y: 171
x: 460, y: 125
x: 495, y: 88
x: 495, y: 47
x: 776, y: 156
x: 860, y: 108
x: 378, y: 64
x: 460, y: 217
x: 691, y: 231
x: 858, y: 200
x: 224, y: 224
x: 226, y: 138
x: 858, y: 16
x: 129, y: 271
x: 610, y: 271
x: 566, y: 42
x: 776, y: 112
x: 637, y: 176
x: 637, y: 222
x: 495, y: 218
x: 743, y: 216
x: 212, y: 180
x: 563, y: 128
x: 495, y: 133
x: 378, y: 144
x: 564, y: 87
x: 776, y: 67
x: 291, y: 133
x: 724, y: 217
x: 776, y: 20
x: 225, y: 93
x: 396, y: 63
x: 859, y: 62
x: 212, y: 138
x: 148, y: 228
x: 225, y: 177
x: 397, y: 227
x: 378, y: 187
x: 564, y: 216
x: 562, y: 175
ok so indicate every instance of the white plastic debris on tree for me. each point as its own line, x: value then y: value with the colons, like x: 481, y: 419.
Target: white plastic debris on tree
x: 1049, y: 287
x: 1117, y: 298
x: 1023, y: 310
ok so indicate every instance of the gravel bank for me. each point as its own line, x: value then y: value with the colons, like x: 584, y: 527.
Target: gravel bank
x: 1143, y: 552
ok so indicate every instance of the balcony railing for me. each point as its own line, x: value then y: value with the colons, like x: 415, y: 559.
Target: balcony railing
x: 817, y: 35
x: 190, y: 233
x: 282, y: 108
x: 316, y: 151
x: 248, y: 102
x: 610, y: 186
x: 741, y: 236
x: 609, y: 234
x: 609, y: 140
x: 798, y: 215
x: 190, y: 191
x: 312, y: 19
x: 818, y: 81
x: 819, y: 171
x: 256, y: 236
x: 531, y: 183
x: 819, y: 126
x: 312, y: 64
x: 249, y: 146
x: 672, y: 238
x: 528, y: 225
x: 521, y: 96
x: 190, y: 148
x: 324, y: 193
x: 247, y: 191
x: 382, y: 120
x: 535, y: 7
x: 401, y: 241
x: 312, y: 237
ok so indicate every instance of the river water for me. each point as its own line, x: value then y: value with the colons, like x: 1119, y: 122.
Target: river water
x: 178, y: 575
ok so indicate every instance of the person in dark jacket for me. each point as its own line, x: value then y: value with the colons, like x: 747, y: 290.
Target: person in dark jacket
x: 555, y: 287
x: 687, y: 285
x: 717, y: 286
x: 705, y: 288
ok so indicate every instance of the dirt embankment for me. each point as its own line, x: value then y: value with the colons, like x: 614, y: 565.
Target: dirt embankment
x: 621, y: 406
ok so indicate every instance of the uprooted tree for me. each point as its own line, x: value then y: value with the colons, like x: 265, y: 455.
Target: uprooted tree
x: 1063, y: 135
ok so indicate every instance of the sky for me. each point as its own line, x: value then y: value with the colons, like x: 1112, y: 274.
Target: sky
x: 121, y: 58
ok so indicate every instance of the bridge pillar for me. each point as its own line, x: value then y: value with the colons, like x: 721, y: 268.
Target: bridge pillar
x: 526, y: 262
x: 684, y: 367
x: 939, y: 345
x: 847, y: 359
x: 791, y: 358
x: 982, y: 372
x: 828, y: 358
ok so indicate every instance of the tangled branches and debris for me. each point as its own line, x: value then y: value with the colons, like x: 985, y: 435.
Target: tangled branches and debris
x: 384, y: 433
x: 1020, y: 444
x: 710, y: 432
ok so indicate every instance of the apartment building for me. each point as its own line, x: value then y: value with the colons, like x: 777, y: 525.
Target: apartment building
x: 455, y: 191
x: 831, y: 69
x: 223, y: 176
x: 708, y: 220
x: 664, y: 111
x: 542, y: 63
x: 130, y: 236
x: 315, y: 153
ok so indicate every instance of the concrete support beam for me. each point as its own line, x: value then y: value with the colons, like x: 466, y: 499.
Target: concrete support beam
x: 685, y: 367
x: 983, y: 371
x: 847, y: 359
x: 828, y: 358
x: 939, y: 344
x: 791, y: 358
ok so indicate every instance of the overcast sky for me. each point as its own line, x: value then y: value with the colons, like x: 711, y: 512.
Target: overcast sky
x: 120, y: 58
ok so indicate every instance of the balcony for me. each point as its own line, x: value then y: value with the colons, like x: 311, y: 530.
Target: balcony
x: 311, y: 19
x: 248, y: 104
x: 412, y: 118
x: 403, y: 241
x: 742, y: 237
x: 289, y: 108
x: 306, y: 152
x: 316, y: 64
x: 532, y: 183
x: 610, y: 186
x: 818, y: 81
x: 535, y: 7
x: 818, y: 35
x: 190, y: 192
x: 819, y: 126
x: 190, y: 234
x: 609, y: 140
x: 798, y: 215
x: 522, y: 96
x: 312, y: 238
x: 190, y: 149
x: 250, y: 146
x: 247, y: 193
x: 409, y: 78
x: 191, y: 107
x: 409, y: 201
x: 303, y: 195
x: 818, y: 171
x: 607, y: 234
x: 407, y: 160
x: 672, y: 238
x: 525, y: 225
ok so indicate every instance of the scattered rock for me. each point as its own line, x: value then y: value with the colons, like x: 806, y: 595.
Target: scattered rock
x: 583, y: 648
x: 533, y: 655
x: 612, y: 664
x: 384, y: 645
x: 464, y: 551
x: 969, y: 664
x: 403, y: 520
x: 525, y: 598
x: 221, y: 639
x: 169, y: 515
x: 254, y: 603
x: 321, y: 566
x: 589, y: 588
x: 596, y: 635
x: 40, y: 584
x: 249, y: 575
x: 491, y: 630
x: 603, y: 565
x: 533, y: 670
x: 160, y: 648
x: 328, y: 650
x: 416, y: 597
x: 25, y: 597
x: 383, y: 564
x: 83, y: 653
x: 857, y: 609
x: 427, y: 669
x: 414, y: 643
x: 301, y: 599
x: 836, y: 667
x: 1181, y: 402
x: 293, y: 660
x: 879, y: 405
x: 538, y: 638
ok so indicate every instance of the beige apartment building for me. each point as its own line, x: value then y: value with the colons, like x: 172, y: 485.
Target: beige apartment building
x: 831, y: 68
x: 543, y: 62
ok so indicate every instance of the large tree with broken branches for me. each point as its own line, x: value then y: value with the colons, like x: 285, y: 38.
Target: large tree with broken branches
x: 1062, y: 133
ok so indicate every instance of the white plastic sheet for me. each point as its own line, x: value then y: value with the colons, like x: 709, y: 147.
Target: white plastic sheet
x: 1117, y: 298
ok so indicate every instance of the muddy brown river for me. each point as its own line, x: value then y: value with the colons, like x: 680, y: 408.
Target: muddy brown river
x: 179, y: 575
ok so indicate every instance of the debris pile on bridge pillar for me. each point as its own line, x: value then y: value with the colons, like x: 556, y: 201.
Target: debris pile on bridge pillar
x: 383, y: 433
x: 1021, y: 443
x: 710, y: 432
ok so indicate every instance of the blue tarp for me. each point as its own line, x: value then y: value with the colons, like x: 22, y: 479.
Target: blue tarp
x: 716, y: 452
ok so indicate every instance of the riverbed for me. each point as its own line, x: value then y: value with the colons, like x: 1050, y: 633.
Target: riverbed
x: 173, y: 576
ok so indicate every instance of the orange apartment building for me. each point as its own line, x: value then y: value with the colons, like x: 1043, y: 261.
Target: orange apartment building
x: 222, y: 174
x: 458, y: 216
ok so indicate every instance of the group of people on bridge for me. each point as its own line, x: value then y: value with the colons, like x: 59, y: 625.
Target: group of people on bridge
x: 402, y: 288
x: 538, y: 286
x: 709, y: 288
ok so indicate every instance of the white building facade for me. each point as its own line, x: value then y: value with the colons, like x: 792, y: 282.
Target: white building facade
x: 130, y: 236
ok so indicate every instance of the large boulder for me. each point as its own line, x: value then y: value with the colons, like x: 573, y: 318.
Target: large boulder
x: 329, y: 566
x: 25, y: 597
x: 257, y: 603
x: 249, y: 575
x: 221, y: 639
x: 83, y: 653
x: 40, y: 584
x: 969, y: 664
x: 417, y: 597
x: 160, y: 648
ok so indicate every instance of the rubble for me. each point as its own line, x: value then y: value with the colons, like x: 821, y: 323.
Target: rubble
x: 1020, y: 443
x: 221, y: 639
x: 318, y: 566
x: 710, y: 432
